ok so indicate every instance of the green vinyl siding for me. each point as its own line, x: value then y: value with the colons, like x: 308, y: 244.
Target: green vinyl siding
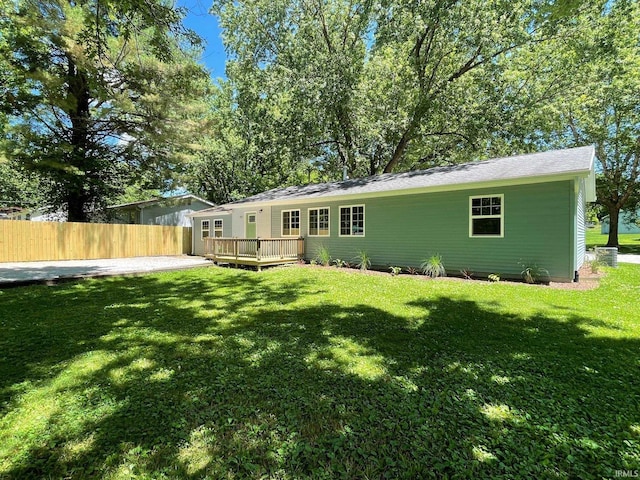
x: 403, y: 230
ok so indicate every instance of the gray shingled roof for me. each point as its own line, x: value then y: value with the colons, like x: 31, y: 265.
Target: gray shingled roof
x: 556, y: 162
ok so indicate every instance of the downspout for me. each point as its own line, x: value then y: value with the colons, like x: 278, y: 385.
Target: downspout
x: 574, y: 233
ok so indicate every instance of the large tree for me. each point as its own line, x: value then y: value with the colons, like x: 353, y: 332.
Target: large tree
x: 294, y: 68
x: 604, y: 107
x: 378, y: 86
x: 585, y: 86
x: 95, y: 94
x: 234, y: 157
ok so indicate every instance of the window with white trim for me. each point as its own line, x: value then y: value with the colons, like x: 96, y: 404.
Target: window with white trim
x: 291, y: 223
x: 352, y: 221
x: 319, y: 222
x: 486, y: 216
x: 217, y: 228
x: 205, y: 228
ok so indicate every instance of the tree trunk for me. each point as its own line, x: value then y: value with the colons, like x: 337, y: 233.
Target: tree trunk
x: 614, y: 215
x: 399, y: 150
x: 76, y: 203
x: 407, y: 136
x: 79, y: 114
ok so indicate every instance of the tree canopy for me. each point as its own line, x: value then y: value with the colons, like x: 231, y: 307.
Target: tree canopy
x: 96, y: 95
x: 382, y: 86
x: 603, y: 108
x: 102, y: 99
x: 378, y: 86
x: 589, y: 81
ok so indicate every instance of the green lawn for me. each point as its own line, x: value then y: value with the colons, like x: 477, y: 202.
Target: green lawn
x: 629, y: 242
x: 311, y: 372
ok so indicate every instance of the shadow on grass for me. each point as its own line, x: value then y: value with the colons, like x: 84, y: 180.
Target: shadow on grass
x: 222, y: 376
x: 45, y: 326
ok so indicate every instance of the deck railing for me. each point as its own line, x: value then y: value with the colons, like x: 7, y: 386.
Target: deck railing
x: 258, y: 249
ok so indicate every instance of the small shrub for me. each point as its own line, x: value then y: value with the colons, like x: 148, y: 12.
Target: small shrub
x: 494, y: 277
x: 466, y: 274
x: 313, y: 262
x: 395, y: 271
x: 532, y: 273
x: 339, y: 263
x: 323, y: 257
x: 412, y: 270
x: 433, y: 266
x: 363, y: 260
x: 597, y: 263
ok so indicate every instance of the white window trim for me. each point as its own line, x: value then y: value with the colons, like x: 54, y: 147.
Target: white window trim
x: 309, y: 220
x: 202, y: 229
x: 282, y: 212
x: 218, y: 229
x: 364, y: 220
x: 501, y: 216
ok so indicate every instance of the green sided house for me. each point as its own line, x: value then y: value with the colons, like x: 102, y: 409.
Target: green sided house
x: 485, y: 217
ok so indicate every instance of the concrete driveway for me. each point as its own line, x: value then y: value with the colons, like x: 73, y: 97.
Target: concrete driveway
x: 24, y: 273
x: 628, y: 258
x: 622, y: 257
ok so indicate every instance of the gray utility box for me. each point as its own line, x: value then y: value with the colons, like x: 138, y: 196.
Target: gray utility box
x: 607, y: 255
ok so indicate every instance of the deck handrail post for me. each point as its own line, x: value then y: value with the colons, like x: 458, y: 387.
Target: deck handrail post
x: 254, y: 251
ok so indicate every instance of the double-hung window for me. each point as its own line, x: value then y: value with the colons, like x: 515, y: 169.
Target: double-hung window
x: 291, y: 223
x: 352, y: 221
x: 486, y: 216
x: 319, y: 222
x: 205, y: 228
x: 217, y: 228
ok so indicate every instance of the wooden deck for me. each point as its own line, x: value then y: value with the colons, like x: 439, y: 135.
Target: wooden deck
x: 258, y: 252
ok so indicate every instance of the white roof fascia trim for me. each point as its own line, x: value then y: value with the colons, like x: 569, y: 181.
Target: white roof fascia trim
x: 418, y: 190
x: 161, y: 200
x: 204, y: 213
x: 202, y: 200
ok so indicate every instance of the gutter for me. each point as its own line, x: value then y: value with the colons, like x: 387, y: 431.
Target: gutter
x: 569, y: 175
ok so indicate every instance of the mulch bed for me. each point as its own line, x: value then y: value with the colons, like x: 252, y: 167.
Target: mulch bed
x: 588, y: 279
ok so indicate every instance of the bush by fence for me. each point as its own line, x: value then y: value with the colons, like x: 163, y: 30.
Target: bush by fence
x: 22, y: 241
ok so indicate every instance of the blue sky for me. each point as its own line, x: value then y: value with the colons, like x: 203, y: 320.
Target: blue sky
x: 204, y: 24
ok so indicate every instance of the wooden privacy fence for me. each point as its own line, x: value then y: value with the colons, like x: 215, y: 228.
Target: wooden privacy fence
x: 24, y: 241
